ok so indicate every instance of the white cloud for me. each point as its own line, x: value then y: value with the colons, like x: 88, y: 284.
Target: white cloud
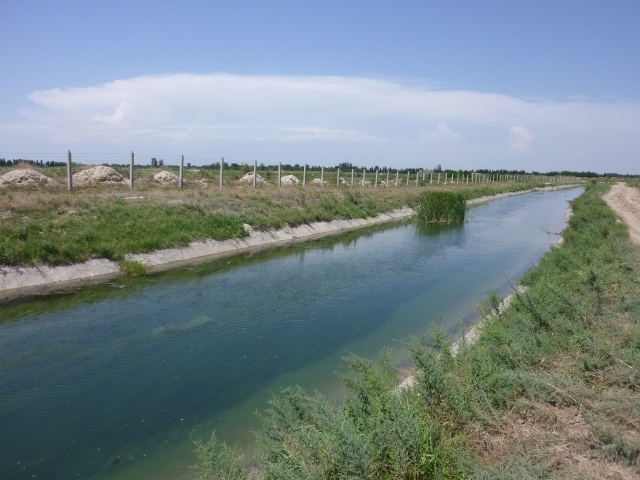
x: 444, y: 133
x: 325, y: 120
x: 117, y: 116
x: 520, y: 140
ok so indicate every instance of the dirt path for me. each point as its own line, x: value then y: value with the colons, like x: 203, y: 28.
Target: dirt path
x: 625, y: 201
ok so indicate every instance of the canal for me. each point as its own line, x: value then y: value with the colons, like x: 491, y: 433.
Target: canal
x: 115, y: 381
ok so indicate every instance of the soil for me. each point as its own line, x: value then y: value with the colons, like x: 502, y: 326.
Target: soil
x: 625, y: 201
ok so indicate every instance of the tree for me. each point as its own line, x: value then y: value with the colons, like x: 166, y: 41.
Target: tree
x: 154, y: 162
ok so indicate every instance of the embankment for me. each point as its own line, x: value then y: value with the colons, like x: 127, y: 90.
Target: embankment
x: 17, y: 282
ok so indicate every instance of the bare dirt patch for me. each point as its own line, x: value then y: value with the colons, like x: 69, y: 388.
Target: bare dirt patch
x: 625, y: 201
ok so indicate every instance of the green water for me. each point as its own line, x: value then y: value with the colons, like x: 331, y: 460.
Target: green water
x: 135, y: 369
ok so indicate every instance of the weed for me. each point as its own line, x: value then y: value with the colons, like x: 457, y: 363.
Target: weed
x: 132, y: 268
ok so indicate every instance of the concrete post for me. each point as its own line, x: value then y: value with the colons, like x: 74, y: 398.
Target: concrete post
x: 338, y: 178
x: 255, y: 172
x: 221, y: 170
x: 304, y: 175
x: 407, y: 178
x: 131, y: 172
x: 322, y: 177
x: 279, y: 174
x: 181, y: 169
x: 397, y: 178
x: 352, y: 170
x: 69, y: 172
x: 417, y: 179
x: 387, y: 185
x: 375, y: 185
x: 364, y: 176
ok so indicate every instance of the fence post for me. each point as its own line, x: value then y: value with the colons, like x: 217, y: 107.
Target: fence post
x: 387, y: 185
x: 255, y: 172
x: 431, y: 181
x: 417, y: 178
x: 279, y: 174
x: 221, y: 169
x: 408, y: 178
x: 397, y: 178
x: 438, y: 178
x: 69, y: 173
x: 376, y: 183
x: 352, y: 170
x: 131, y: 172
x: 322, y: 177
x: 364, y: 176
x: 304, y: 175
x: 338, y: 178
x: 181, y: 169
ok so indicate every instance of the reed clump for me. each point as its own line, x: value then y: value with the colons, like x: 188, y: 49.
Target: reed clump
x: 441, y: 207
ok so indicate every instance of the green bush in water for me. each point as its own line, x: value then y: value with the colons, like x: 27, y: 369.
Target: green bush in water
x: 441, y: 207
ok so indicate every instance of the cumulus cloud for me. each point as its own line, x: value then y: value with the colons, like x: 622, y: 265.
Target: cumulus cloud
x: 322, y: 119
x: 520, y: 140
x: 117, y: 116
x: 443, y: 132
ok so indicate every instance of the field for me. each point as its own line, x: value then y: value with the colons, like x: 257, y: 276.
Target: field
x: 50, y: 225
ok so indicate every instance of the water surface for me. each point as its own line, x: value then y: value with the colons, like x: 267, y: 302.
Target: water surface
x: 113, y: 381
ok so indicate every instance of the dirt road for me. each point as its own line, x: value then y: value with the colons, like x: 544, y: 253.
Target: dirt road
x: 625, y: 201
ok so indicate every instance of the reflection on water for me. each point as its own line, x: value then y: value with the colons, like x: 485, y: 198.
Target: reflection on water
x: 130, y: 373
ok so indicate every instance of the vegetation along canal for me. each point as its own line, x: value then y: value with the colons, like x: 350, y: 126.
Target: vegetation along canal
x: 114, y: 381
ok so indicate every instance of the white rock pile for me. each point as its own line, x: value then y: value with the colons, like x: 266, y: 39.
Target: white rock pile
x: 165, y: 177
x: 99, y: 174
x: 290, y: 180
x: 248, y: 177
x: 24, y: 176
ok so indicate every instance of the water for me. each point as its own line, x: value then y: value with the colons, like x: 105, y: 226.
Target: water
x: 114, y: 381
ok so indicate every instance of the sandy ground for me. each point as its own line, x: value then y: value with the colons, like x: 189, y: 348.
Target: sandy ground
x: 625, y: 201
x: 18, y: 282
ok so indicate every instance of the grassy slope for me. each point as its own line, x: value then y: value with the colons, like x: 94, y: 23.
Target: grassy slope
x: 549, y: 390
x: 52, y: 226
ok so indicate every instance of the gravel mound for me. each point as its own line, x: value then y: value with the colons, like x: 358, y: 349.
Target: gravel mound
x: 290, y: 180
x: 24, y: 176
x: 318, y: 181
x: 99, y: 174
x: 248, y: 177
x: 166, y: 177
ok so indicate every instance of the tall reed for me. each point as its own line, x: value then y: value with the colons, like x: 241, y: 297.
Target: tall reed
x: 441, y: 207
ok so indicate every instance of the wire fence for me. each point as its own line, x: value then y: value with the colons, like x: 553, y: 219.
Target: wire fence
x: 339, y: 175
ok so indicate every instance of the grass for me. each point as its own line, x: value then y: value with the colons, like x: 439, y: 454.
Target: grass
x: 49, y: 225
x: 550, y: 389
x: 441, y: 207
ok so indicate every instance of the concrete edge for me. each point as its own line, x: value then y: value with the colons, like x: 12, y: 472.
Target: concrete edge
x: 16, y: 282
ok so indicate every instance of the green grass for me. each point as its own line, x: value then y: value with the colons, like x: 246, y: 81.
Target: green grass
x: 49, y: 225
x: 554, y: 378
x: 108, y: 229
x: 441, y: 207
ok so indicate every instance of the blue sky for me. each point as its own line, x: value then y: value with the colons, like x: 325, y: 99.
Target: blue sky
x: 544, y: 85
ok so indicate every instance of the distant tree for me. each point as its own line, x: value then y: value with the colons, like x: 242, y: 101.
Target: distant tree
x: 154, y: 162
x: 160, y: 162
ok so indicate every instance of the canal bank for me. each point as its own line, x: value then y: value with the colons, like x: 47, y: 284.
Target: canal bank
x: 16, y: 282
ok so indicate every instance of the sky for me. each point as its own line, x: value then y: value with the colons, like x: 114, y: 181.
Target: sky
x: 518, y: 85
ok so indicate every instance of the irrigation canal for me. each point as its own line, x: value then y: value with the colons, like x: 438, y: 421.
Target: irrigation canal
x: 114, y: 381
